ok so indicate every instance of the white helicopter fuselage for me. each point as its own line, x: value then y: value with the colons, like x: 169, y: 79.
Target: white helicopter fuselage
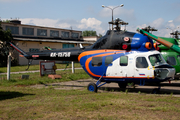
x: 123, y: 66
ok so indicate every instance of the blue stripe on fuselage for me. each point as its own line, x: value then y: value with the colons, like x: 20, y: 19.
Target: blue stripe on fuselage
x: 100, y: 70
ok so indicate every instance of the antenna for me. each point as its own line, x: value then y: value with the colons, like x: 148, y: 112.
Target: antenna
x: 118, y: 22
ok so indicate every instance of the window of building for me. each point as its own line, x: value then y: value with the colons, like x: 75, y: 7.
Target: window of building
x: 41, y: 32
x: 123, y: 60
x: 96, y: 61
x: 54, y: 33
x: 74, y: 35
x: 13, y: 29
x: 108, y: 60
x: 171, y: 60
x: 33, y: 50
x: 68, y: 45
x: 28, y: 31
x: 65, y: 34
x: 141, y: 62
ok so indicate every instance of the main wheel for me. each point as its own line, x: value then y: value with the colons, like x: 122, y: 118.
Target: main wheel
x: 92, y: 87
x: 122, y: 85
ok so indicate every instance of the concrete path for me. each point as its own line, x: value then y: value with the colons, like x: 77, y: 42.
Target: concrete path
x: 166, y: 89
x: 173, y: 88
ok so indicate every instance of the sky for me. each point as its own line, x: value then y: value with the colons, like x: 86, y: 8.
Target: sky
x: 90, y: 15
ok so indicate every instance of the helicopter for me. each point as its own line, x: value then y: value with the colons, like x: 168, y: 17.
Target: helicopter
x: 175, y: 34
x: 119, y: 56
x: 172, y: 57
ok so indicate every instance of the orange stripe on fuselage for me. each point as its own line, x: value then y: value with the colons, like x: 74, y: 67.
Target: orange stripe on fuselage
x: 101, y: 55
x: 94, y: 52
x: 89, y: 59
x: 123, y: 77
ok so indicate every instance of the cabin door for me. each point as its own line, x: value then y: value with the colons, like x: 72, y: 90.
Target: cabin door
x: 123, y: 66
x: 142, y: 68
x: 118, y: 68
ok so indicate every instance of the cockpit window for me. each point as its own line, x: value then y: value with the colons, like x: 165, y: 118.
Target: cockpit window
x: 141, y: 62
x: 96, y: 61
x: 156, y: 59
x: 171, y: 60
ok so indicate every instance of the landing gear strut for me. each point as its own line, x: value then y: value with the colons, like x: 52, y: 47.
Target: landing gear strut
x: 122, y: 85
x: 93, y: 87
x: 156, y: 90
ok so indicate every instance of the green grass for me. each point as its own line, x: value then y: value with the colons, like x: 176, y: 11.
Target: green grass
x: 34, y: 78
x: 19, y: 101
x: 36, y: 67
x: 47, y: 103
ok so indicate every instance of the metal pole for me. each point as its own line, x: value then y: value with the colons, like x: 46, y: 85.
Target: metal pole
x: 112, y: 11
x: 72, y: 67
x: 8, y: 67
x: 112, y: 19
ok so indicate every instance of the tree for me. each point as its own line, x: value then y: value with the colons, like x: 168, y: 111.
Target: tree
x: 5, y: 37
x: 100, y: 35
x: 89, y: 33
x: 7, y: 21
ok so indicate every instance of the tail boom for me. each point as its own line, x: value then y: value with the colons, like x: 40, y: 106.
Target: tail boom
x: 160, y: 40
x: 18, y: 49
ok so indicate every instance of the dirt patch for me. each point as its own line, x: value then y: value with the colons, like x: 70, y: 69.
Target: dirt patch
x: 78, y: 84
x: 172, y: 89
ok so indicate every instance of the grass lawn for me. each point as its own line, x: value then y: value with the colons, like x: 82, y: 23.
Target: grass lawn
x: 34, y: 78
x: 19, y: 101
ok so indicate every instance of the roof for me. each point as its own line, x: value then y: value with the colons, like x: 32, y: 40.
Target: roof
x: 52, y: 40
x: 35, y: 26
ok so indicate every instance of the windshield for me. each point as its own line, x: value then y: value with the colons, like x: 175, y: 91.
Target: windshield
x: 156, y: 60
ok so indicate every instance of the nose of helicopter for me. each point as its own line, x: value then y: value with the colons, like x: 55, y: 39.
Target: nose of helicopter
x: 164, y: 73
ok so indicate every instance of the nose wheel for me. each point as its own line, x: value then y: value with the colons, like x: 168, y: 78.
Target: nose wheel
x: 92, y: 87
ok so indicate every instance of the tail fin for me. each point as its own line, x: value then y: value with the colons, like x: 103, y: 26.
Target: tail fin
x: 18, y: 49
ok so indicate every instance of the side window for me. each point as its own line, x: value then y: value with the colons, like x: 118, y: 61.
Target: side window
x: 96, y: 61
x: 178, y: 57
x: 108, y: 60
x: 171, y: 60
x: 123, y: 60
x: 141, y: 62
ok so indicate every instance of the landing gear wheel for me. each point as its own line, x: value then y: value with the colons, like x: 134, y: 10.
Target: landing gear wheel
x: 122, y: 85
x: 92, y: 87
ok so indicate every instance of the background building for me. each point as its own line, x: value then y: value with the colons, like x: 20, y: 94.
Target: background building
x: 32, y: 38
